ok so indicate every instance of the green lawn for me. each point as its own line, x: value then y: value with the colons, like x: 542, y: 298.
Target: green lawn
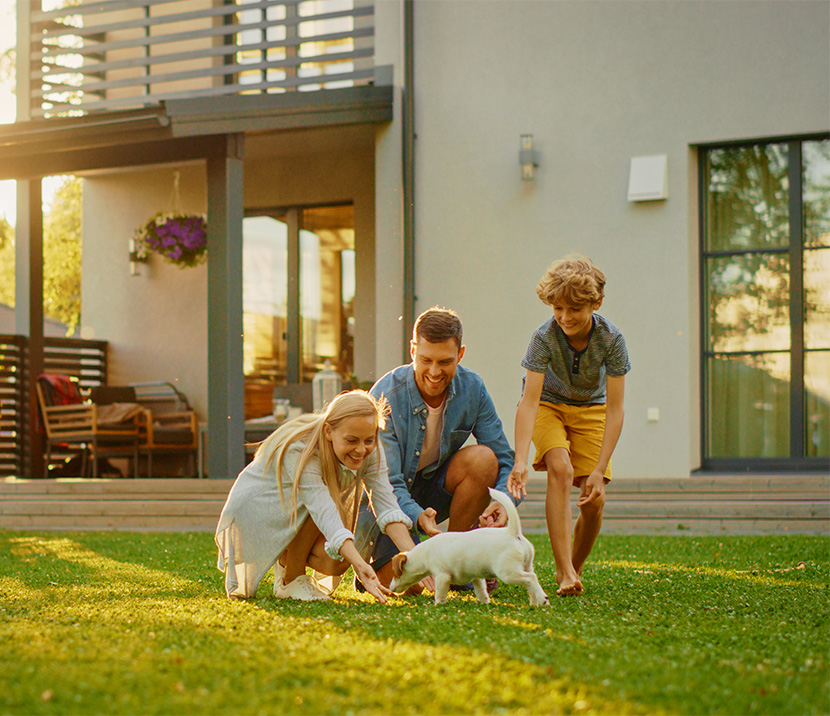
x: 137, y: 623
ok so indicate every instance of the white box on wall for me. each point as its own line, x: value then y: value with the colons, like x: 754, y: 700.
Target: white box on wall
x: 648, y: 178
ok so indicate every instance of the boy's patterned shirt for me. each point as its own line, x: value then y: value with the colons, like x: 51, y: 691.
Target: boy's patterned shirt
x: 576, y: 377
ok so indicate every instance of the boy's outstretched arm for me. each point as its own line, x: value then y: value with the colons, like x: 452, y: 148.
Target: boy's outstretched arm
x: 525, y: 420
x: 614, y: 413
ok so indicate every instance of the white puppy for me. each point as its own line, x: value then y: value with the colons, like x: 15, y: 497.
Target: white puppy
x: 460, y: 557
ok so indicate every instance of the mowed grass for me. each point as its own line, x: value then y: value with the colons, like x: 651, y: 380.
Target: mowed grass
x: 137, y: 623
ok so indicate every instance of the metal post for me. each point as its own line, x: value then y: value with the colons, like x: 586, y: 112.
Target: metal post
x: 226, y: 382
x: 294, y: 342
x: 408, y: 177
x: 28, y: 300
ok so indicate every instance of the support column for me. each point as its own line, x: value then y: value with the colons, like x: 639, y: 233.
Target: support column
x: 28, y: 301
x: 226, y: 384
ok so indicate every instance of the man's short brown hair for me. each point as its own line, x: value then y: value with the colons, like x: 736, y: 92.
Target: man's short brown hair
x: 437, y: 325
x: 574, y: 280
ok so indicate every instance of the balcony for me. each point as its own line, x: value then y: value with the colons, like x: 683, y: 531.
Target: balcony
x: 109, y: 55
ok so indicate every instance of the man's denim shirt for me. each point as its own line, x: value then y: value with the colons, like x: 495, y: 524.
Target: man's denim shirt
x: 469, y: 410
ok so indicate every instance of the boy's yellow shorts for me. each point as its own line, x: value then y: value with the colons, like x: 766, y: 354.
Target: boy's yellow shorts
x: 577, y: 428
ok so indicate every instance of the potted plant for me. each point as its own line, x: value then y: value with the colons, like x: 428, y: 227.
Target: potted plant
x: 180, y: 239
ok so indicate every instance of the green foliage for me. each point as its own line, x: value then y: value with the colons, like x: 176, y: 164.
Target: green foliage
x: 61, y: 256
x: 117, y: 623
x: 6, y: 262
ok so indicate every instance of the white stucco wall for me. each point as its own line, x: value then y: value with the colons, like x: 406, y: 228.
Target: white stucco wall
x: 596, y: 83
x: 156, y: 323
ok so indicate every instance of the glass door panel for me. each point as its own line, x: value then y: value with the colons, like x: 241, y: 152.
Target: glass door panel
x: 817, y: 389
x: 265, y: 298
x: 749, y: 401
x: 748, y: 299
x: 327, y: 289
x: 747, y: 199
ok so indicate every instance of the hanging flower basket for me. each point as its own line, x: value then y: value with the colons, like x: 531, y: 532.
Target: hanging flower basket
x: 179, y: 239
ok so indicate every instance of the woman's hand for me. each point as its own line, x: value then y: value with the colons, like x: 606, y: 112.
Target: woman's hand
x: 370, y: 580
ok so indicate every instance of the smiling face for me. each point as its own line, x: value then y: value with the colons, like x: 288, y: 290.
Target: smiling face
x: 353, y: 440
x: 575, y: 321
x: 435, y: 365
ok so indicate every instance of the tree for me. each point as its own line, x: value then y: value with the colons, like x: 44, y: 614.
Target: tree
x: 6, y: 262
x: 61, y: 256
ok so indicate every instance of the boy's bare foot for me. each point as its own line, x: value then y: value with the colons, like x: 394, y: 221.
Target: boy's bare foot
x: 570, y: 588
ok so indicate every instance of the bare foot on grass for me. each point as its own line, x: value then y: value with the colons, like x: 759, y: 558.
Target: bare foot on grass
x: 570, y: 588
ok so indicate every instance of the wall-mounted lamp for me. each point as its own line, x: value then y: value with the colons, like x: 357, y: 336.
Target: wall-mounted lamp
x: 137, y: 256
x: 528, y: 157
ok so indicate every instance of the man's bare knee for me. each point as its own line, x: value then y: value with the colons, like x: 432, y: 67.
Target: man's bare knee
x: 476, y: 464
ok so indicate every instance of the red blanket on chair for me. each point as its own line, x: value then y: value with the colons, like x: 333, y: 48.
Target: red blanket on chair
x: 60, y: 389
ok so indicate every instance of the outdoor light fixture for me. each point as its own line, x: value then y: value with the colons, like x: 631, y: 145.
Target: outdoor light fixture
x: 136, y: 257
x: 528, y: 157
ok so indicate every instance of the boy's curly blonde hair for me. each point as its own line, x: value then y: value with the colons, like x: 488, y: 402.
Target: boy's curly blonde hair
x: 574, y: 280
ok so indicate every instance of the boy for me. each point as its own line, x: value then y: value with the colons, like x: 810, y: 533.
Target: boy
x: 572, y: 408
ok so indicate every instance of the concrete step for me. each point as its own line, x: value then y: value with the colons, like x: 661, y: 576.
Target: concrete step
x: 710, y: 505
x: 132, y: 523
x: 757, y: 504
x: 120, y: 504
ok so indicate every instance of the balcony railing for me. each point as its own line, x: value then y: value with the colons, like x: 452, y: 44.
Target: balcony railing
x: 125, y: 54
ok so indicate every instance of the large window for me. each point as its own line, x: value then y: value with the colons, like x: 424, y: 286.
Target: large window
x: 298, y: 293
x: 765, y: 270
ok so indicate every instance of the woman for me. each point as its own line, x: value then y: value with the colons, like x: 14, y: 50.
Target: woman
x: 295, y: 504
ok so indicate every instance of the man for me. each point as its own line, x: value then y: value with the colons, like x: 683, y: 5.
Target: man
x: 436, y: 404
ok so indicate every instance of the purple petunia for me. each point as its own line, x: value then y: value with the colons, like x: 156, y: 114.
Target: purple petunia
x: 181, y: 240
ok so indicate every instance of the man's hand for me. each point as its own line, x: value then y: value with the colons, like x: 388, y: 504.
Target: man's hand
x: 494, y: 516
x: 427, y: 523
x: 592, y: 488
x: 517, y: 481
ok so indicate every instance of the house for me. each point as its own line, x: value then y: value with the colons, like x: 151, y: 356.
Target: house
x: 359, y: 162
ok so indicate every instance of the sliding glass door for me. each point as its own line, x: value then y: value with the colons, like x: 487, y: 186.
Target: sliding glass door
x: 298, y: 293
x: 765, y: 269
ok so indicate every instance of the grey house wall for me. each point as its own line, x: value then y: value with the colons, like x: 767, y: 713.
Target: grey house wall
x: 596, y: 83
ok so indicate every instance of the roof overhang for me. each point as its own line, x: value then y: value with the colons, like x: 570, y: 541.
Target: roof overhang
x: 176, y: 130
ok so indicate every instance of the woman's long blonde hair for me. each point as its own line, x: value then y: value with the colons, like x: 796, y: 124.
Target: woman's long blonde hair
x: 310, y: 430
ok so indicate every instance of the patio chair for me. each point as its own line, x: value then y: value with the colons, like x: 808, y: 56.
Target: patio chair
x: 69, y: 422
x: 167, y: 425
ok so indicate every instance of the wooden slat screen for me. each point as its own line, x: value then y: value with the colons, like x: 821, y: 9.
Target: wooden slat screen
x: 14, y: 406
x: 120, y: 54
x: 77, y: 358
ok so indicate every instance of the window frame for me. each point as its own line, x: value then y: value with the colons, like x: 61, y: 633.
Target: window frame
x: 797, y: 460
